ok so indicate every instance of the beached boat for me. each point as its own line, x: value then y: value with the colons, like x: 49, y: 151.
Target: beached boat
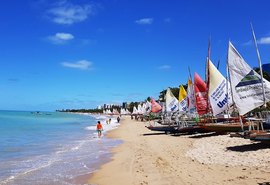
x: 261, y: 136
x: 184, y: 127
x: 227, y: 127
x: 246, y: 91
x: 249, y: 92
x: 163, y: 128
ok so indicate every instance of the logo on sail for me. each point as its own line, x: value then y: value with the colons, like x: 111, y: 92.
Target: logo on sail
x: 250, y: 79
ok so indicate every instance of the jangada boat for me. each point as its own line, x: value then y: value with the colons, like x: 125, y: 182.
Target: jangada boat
x: 247, y: 88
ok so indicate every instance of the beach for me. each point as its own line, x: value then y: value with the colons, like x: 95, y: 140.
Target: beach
x: 154, y: 158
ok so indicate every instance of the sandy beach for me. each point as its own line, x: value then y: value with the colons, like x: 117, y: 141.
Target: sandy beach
x: 154, y: 158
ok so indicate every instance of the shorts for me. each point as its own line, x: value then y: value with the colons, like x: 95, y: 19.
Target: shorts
x: 99, y: 131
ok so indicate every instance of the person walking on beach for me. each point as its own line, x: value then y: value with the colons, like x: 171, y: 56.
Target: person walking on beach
x: 99, y: 128
x: 118, y: 119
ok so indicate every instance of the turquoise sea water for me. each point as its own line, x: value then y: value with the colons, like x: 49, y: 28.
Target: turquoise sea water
x: 50, y: 147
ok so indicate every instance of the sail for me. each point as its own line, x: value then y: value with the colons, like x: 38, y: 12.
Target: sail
x: 127, y: 111
x: 200, y: 94
x: 171, y: 101
x: 139, y: 109
x: 191, y: 97
x: 155, y: 107
x: 148, y: 107
x: 182, y: 99
x: 219, y: 92
x: 115, y: 111
x: 246, y: 83
x: 122, y: 111
x: 135, y: 111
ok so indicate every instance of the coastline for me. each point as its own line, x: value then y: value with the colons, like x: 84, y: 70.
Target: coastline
x: 148, y: 157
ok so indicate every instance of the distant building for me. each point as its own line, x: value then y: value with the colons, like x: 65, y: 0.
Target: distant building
x: 124, y: 105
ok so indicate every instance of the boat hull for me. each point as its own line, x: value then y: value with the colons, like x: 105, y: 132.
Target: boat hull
x: 222, y: 128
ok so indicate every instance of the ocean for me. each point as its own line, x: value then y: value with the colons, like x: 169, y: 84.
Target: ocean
x: 51, y: 148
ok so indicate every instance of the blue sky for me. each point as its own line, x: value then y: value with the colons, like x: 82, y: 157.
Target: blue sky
x: 80, y: 54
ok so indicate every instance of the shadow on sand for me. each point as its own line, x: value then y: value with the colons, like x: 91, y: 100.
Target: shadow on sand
x: 249, y: 147
x: 264, y: 183
x: 152, y: 134
x: 203, y: 135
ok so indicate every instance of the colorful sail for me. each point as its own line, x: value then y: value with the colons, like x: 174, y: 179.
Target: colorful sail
x: 200, y: 94
x: 182, y: 99
x: 246, y: 83
x: 171, y: 101
x: 155, y: 107
x: 191, y: 97
x: 219, y: 91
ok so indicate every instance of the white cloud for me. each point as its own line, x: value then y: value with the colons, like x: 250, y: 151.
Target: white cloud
x: 248, y: 43
x: 82, y: 64
x: 264, y: 40
x: 67, y: 13
x: 145, y: 21
x: 64, y: 36
x: 60, y: 38
x: 164, y: 67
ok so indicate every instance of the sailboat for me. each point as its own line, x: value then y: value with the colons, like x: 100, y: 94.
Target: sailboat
x: 186, y: 123
x: 250, y: 90
x: 171, y: 106
x: 219, y: 94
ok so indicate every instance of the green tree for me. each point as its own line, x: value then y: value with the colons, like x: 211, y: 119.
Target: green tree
x: 175, y: 91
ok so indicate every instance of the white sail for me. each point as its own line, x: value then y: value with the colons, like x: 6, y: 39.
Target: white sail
x: 135, y: 111
x: 171, y: 102
x: 219, y: 90
x: 143, y: 108
x: 115, y: 111
x: 246, y: 83
x: 139, y: 110
x: 127, y: 111
x: 147, y: 107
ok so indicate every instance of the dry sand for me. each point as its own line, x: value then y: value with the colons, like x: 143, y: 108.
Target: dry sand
x: 148, y: 157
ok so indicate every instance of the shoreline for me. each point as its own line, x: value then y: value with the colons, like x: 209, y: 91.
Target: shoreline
x: 147, y: 157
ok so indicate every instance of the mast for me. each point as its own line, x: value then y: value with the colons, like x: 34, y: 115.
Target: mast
x: 207, y: 73
x: 218, y: 64
x: 260, y: 64
x: 189, y: 73
x: 194, y: 96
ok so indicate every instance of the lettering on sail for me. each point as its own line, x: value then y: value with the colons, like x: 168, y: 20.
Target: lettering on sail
x: 220, y: 96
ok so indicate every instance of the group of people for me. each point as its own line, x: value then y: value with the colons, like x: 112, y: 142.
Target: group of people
x: 100, y: 127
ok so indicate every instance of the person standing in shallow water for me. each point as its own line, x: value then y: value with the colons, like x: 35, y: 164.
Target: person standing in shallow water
x: 99, y: 129
x: 118, y: 119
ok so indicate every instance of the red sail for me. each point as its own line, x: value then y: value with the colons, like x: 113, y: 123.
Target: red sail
x: 200, y: 94
x: 155, y: 106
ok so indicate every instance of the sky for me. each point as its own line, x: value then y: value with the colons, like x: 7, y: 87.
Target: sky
x: 81, y: 54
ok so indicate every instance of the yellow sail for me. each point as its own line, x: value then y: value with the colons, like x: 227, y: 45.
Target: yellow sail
x: 182, y: 93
